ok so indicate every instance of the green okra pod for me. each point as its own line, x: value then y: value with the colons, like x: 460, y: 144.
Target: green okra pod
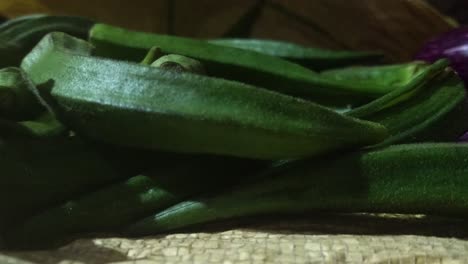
x: 434, y: 109
x: 37, y: 174
x: 153, y: 54
x: 135, y: 105
x: 395, y: 75
x: 234, y: 64
x: 313, y: 58
x: 179, y: 63
x: 402, y: 93
x: 171, y: 179
x: 414, y: 179
x: 436, y: 114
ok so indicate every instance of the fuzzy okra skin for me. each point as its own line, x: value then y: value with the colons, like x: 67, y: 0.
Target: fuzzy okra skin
x: 414, y: 178
x: 402, y: 93
x: 18, y: 37
x: 396, y: 75
x: 313, y: 58
x: 234, y: 64
x: 406, y: 79
x: 435, y: 111
x: 136, y: 105
x: 115, y: 206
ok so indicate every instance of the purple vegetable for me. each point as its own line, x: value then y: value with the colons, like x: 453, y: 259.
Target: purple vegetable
x: 464, y: 138
x: 452, y: 45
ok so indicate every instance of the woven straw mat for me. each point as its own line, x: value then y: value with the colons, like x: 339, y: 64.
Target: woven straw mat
x: 306, y: 239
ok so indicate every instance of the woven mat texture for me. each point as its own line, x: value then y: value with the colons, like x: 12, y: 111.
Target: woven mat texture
x: 326, y: 239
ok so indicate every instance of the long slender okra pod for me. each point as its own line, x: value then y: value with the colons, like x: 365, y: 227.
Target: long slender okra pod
x: 37, y: 174
x: 118, y: 205
x: 404, y: 92
x: 415, y: 178
x: 136, y: 105
x: 234, y: 64
x: 437, y: 112
x: 395, y: 75
x: 313, y: 58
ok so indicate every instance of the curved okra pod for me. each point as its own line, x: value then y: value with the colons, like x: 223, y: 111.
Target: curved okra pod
x: 179, y: 63
x: 37, y: 174
x: 415, y: 179
x: 395, y: 75
x: 432, y: 108
x: 404, y: 92
x: 313, y: 58
x: 153, y: 54
x: 113, y: 207
x: 11, y: 23
x: 140, y: 106
x: 435, y: 114
x: 234, y: 64
x: 19, y: 36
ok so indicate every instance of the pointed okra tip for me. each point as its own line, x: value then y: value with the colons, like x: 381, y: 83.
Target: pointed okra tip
x: 181, y: 215
x: 376, y: 133
x: 55, y: 41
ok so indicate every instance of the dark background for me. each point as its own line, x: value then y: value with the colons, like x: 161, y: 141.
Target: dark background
x: 396, y: 27
x: 458, y: 9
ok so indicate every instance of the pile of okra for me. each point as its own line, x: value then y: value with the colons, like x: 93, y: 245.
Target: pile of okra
x: 108, y: 130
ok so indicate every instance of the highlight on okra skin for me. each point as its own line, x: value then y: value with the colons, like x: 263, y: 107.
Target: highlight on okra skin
x: 113, y: 131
